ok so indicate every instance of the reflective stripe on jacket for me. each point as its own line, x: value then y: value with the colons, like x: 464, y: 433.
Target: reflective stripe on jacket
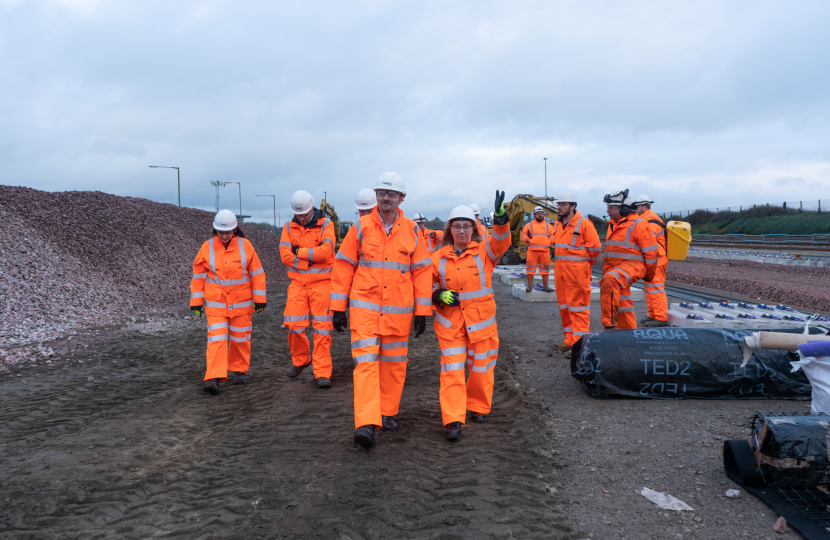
x: 227, y: 281
x: 658, y: 229
x: 432, y: 243
x: 482, y: 230
x: 470, y: 275
x: 629, y: 240
x: 576, y: 241
x: 313, y: 261
x: 537, y: 235
x: 386, y: 279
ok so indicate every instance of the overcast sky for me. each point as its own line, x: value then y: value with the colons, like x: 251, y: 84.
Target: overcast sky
x: 695, y: 104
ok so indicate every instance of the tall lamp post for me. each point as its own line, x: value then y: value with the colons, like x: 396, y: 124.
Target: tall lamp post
x: 546, y: 176
x: 240, y: 193
x: 274, y: 197
x: 178, y: 178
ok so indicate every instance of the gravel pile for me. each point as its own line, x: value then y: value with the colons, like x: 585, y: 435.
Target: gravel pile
x: 80, y: 259
x: 804, y: 287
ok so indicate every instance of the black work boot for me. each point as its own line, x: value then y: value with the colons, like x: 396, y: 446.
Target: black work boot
x: 654, y: 323
x: 293, y: 371
x: 365, y: 436
x: 389, y: 424
x: 240, y: 377
x: 453, y: 432
x: 477, y: 417
x: 211, y: 386
x: 323, y: 382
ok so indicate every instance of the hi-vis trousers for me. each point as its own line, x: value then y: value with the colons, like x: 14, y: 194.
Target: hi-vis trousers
x: 379, y: 374
x: 656, y: 295
x: 615, y: 295
x: 309, y: 302
x: 228, y: 345
x: 477, y: 394
x: 572, y: 282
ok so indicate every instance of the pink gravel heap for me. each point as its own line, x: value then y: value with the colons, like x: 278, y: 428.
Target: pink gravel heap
x: 78, y: 259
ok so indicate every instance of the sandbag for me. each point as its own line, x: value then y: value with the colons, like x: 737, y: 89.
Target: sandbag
x: 675, y: 363
x: 786, y: 452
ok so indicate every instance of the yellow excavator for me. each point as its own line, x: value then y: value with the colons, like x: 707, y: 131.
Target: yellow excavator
x: 341, y: 228
x: 520, y: 210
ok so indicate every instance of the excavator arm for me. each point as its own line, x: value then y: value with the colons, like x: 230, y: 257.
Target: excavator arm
x: 340, y: 227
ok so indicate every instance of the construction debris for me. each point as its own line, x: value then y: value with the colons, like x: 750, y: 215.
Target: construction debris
x: 665, y: 501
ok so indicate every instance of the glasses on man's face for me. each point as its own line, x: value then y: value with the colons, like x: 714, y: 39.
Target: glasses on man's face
x: 383, y: 194
x: 462, y: 228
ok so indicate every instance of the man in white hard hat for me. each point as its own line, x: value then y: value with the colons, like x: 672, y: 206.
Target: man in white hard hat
x: 538, y: 235
x: 431, y: 237
x: 630, y: 254
x: 658, y: 309
x: 577, y: 248
x: 365, y: 201
x: 482, y: 230
x: 307, y: 249
x: 383, y: 271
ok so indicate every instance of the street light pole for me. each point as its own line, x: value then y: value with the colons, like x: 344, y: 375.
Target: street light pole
x: 546, y: 176
x: 274, y: 197
x: 240, y: 193
x: 178, y: 178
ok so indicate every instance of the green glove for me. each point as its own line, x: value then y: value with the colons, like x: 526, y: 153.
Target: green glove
x: 197, y: 310
x: 450, y: 298
x: 500, y: 210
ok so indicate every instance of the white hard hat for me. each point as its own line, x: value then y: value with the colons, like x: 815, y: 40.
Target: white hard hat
x: 225, y: 220
x: 418, y: 217
x: 643, y: 199
x: 391, y: 181
x: 366, y: 199
x: 567, y: 197
x: 539, y: 209
x: 301, y: 202
x: 462, y: 212
x: 616, y: 199
x: 475, y: 209
x: 628, y: 201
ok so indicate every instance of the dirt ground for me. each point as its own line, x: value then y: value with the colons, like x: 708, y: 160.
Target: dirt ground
x: 117, y: 440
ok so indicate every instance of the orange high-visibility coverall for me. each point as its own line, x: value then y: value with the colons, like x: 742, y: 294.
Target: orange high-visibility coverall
x: 432, y: 243
x: 656, y: 288
x: 577, y: 248
x: 538, y: 237
x: 227, y: 281
x: 308, y: 293
x: 482, y: 230
x: 630, y: 254
x: 468, y: 331
x: 385, y: 279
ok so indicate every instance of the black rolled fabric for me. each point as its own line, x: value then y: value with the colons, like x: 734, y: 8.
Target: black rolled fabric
x: 676, y: 363
x: 792, y: 450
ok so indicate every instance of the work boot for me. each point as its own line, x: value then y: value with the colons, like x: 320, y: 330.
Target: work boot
x: 323, y: 382
x: 240, y: 377
x: 547, y: 289
x: 476, y: 417
x: 610, y: 327
x: 654, y: 323
x: 211, y: 386
x: 453, y: 432
x: 365, y: 436
x: 293, y: 371
x: 389, y: 424
x: 528, y: 289
x: 563, y: 347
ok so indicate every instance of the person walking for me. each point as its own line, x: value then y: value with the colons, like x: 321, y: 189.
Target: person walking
x: 465, y: 317
x: 382, y: 271
x: 538, y: 234
x: 307, y: 249
x: 228, y: 284
x: 630, y: 254
x: 658, y: 309
x: 431, y: 237
x: 577, y: 247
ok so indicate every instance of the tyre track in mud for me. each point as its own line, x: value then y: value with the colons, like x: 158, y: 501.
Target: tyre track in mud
x: 141, y: 452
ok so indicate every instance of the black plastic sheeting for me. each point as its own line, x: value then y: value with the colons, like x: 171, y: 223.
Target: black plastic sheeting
x: 785, y: 464
x: 676, y: 363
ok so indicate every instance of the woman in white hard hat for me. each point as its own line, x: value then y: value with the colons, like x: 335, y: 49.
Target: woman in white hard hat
x: 465, y: 316
x: 365, y: 201
x: 229, y: 285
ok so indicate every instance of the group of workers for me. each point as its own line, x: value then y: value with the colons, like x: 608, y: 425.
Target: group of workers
x: 391, y: 273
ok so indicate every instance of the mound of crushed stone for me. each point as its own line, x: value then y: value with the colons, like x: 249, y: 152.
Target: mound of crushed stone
x: 78, y: 259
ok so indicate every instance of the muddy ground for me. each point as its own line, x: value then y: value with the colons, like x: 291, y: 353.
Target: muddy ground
x: 119, y: 441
